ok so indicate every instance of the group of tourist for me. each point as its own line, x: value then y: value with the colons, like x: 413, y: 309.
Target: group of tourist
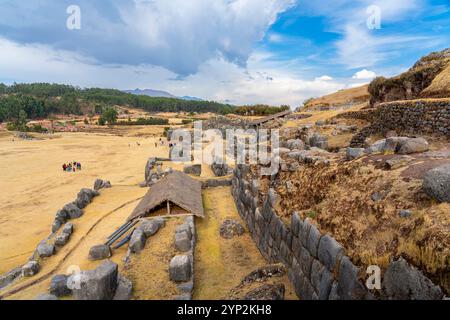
x: 71, y: 166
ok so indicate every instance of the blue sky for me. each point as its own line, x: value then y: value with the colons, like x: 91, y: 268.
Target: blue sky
x: 241, y: 51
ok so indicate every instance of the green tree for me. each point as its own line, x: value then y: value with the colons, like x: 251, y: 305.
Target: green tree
x: 110, y: 115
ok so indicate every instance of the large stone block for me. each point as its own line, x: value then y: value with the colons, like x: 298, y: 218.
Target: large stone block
x: 305, y: 262
x: 329, y: 252
x: 124, y: 290
x: 137, y: 242
x: 59, y: 286
x: 99, y: 252
x: 182, y: 242
x: 349, y: 287
x: 436, y: 183
x: 73, y: 211
x: 180, y: 268
x: 405, y: 282
x: 30, y: 269
x: 45, y: 250
x: 98, y: 284
x: 151, y: 227
x: 295, y: 223
x: 312, y: 243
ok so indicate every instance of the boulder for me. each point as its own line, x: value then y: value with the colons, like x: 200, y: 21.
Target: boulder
x: 46, y: 297
x: 267, y: 292
x: 182, y: 242
x: 99, y: 252
x: 45, y: 250
x: 436, y: 183
x: 329, y: 252
x: 414, y: 145
x: 56, y: 225
x: 180, y: 268
x: 231, y: 228
x: 62, y: 239
x: 101, y: 184
x: 73, y: 211
x: 195, y: 170
x: 59, y: 286
x: 137, y: 242
x: 30, y: 269
x: 393, y: 144
x: 404, y: 282
x: 377, y: 147
x: 68, y: 228
x: 151, y: 227
x: 98, y: 284
x: 405, y: 213
x: 124, y: 289
x: 354, y: 153
x: 186, y: 287
x: 85, y: 197
x: 185, y: 227
x: 318, y: 141
x: 295, y: 144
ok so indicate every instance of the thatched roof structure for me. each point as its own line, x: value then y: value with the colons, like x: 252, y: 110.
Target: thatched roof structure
x: 259, y: 122
x: 177, y: 188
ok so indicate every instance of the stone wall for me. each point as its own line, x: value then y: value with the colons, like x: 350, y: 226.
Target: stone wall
x: 317, y: 264
x: 426, y: 117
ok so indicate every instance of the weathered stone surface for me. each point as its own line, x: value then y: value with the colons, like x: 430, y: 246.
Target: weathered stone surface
x: 436, y: 183
x: 405, y: 282
x: 186, y: 228
x: 151, y: 162
x: 137, y: 242
x: 180, y: 268
x: 413, y: 145
x: 295, y: 144
x: 101, y: 184
x: 312, y: 243
x: 30, y: 269
x: 62, y: 239
x: 377, y: 147
x: 45, y: 250
x: 397, y: 162
x: 68, y: 228
x: 326, y: 283
x: 304, y: 231
x: 56, y: 225
x: 73, y: 211
x: 85, y: 197
x: 231, y: 228
x: 98, y: 284
x: 354, y: 153
x: 99, y: 252
x: 124, y: 290
x: 305, y: 262
x: 329, y: 252
x: 349, y: 287
x: 318, y: 141
x: 46, y: 297
x: 59, y: 286
x: 9, y: 277
x: 195, y: 170
x: 186, y: 287
x: 267, y: 292
x: 182, y: 242
x: 151, y: 227
x: 295, y: 223
x: 405, y: 213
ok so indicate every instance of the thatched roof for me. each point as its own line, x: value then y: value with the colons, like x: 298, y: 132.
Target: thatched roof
x: 272, y: 117
x: 179, y: 189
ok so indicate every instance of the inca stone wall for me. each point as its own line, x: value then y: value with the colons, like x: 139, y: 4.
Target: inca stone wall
x: 429, y: 117
x: 318, y: 266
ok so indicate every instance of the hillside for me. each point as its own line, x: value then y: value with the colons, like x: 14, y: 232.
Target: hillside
x: 346, y: 97
x: 429, y: 78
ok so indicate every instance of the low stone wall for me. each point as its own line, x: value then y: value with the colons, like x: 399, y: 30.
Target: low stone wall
x: 428, y: 117
x: 317, y: 265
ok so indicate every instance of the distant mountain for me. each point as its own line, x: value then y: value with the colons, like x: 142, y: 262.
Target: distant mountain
x: 160, y: 93
x: 191, y: 98
x: 151, y: 93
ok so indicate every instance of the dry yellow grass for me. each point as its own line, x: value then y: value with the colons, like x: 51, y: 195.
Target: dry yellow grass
x: 222, y: 264
x: 440, y: 87
x: 353, y: 95
x: 34, y: 185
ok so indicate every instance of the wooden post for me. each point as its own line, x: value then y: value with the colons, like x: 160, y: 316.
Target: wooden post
x: 168, y: 207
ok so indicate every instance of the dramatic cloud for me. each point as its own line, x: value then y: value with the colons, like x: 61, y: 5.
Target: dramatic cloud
x: 178, y: 35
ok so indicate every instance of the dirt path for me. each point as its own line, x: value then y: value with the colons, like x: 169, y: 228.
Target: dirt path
x: 221, y: 264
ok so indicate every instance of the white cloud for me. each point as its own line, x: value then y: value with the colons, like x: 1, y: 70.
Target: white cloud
x: 324, y: 78
x: 364, y: 75
x: 262, y: 81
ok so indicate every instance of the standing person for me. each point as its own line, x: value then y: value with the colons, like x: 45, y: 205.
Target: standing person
x: 79, y: 166
x: 64, y: 167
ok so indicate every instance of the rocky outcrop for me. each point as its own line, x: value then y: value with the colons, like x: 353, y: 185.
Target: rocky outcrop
x: 85, y: 197
x: 45, y: 250
x: 404, y: 282
x: 436, y: 183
